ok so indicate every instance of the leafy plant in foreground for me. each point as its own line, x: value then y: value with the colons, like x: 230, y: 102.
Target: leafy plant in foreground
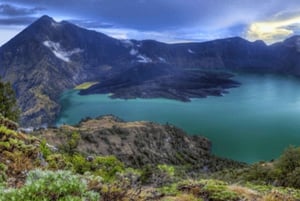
x: 51, y: 186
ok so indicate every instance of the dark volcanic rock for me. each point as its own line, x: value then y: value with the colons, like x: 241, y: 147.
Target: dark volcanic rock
x: 156, y: 81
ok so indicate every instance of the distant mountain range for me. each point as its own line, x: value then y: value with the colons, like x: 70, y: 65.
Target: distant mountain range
x: 49, y: 57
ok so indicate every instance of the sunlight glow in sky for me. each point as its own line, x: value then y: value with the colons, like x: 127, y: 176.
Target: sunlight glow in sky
x: 164, y: 20
x: 271, y: 31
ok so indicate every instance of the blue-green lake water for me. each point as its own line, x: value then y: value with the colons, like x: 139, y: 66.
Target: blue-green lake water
x: 254, y: 122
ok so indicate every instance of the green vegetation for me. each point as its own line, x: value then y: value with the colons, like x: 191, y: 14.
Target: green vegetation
x: 71, y: 143
x: 8, y: 102
x: 85, y: 85
x: 107, y: 167
x: 48, y: 185
x: 284, y: 171
x: 33, y: 170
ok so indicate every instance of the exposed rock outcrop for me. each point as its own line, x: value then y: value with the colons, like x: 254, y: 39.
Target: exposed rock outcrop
x: 139, y: 143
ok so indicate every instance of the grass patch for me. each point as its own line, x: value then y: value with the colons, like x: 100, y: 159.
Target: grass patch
x: 85, y: 85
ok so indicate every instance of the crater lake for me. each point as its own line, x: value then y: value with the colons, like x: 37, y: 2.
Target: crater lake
x: 253, y: 122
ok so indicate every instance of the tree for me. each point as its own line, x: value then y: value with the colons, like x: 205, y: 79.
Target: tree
x: 8, y: 102
x: 289, y: 160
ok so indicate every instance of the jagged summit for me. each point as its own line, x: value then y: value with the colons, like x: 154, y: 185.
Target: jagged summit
x: 45, y: 18
x: 38, y: 30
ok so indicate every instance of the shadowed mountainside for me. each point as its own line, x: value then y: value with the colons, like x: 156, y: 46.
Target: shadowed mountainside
x: 49, y: 57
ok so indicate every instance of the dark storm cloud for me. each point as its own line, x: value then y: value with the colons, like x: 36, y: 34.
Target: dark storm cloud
x: 16, y: 15
x: 165, y: 14
x: 16, y: 21
x: 183, y: 19
x: 10, y: 10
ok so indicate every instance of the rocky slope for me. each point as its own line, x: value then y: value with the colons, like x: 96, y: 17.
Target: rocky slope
x: 31, y: 169
x: 49, y: 57
x: 139, y: 143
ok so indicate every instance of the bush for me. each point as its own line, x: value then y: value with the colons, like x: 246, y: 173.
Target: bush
x: 277, y: 196
x: 72, y: 142
x: 45, y: 150
x: 284, y: 171
x: 107, y: 167
x: 289, y: 160
x: 51, y: 186
x: 104, y: 166
x: 260, y: 173
x: 288, y: 167
x: 167, y: 169
x: 159, y: 175
x: 125, y: 187
x: 8, y: 106
x: 212, y: 190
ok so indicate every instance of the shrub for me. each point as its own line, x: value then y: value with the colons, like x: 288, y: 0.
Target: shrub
x: 51, y: 186
x: 125, y: 187
x: 260, y: 173
x: 212, y: 190
x: 3, y: 176
x: 107, y: 167
x: 57, y: 161
x: 45, y: 150
x: 288, y: 167
x: 8, y: 106
x: 277, y: 196
x: 170, y: 189
x: 167, y: 169
x: 72, y: 142
x: 104, y: 166
x: 289, y: 160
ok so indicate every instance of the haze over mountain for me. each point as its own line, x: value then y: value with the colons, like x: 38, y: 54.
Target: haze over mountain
x: 49, y: 57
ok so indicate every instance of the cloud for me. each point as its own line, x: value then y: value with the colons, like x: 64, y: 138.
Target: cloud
x: 11, y: 10
x: 173, y: 36
x: 183, y: 20
x: 13, y: 15
x: 274, y: 30
x: 164, y: 14
x: 91, y: 23
x: 16, y: 21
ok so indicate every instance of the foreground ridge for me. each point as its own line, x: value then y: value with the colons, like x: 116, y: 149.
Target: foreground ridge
x: 33, y: 169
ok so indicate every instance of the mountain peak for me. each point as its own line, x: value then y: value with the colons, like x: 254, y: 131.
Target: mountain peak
x: 292, y: 38
x: 293, y: 41
x: 45, y: 18
x: 36, y: 30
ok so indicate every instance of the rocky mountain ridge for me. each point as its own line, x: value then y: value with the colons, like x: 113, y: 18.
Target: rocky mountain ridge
x: 49, y: 57
x: 138, y: 143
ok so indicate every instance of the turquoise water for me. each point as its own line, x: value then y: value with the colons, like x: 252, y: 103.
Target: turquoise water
x: 253, y: 122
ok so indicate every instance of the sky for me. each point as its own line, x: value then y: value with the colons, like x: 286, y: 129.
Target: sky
x: 168, y: 21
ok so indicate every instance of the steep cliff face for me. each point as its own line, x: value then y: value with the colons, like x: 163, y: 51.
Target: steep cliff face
x: 139, y: 143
